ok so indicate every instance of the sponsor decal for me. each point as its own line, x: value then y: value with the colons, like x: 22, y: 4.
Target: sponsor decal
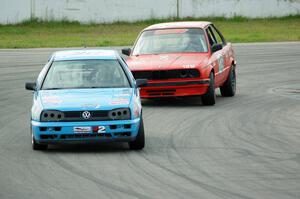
x: 120, y: 101
x: 82, y: 129
x: 189, y: 66
x: 221, y: 64
x: 99, y: 129
x: 122, y: 95
x: 98, y: 106
x: 164, y: 57
x: 83, y: 53
x: 90, y: 105
x: 52, y: 99
x: 170, y: 31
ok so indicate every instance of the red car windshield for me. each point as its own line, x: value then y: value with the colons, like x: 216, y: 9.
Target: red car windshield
x: 171, y: 41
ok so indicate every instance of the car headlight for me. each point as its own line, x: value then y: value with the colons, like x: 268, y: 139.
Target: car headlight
x: 36, y: 110
x: 137, y: 108
x: 119, y: 114
x: 52, y: 116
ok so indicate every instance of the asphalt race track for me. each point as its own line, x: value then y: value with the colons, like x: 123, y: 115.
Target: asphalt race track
x: 247, y: 146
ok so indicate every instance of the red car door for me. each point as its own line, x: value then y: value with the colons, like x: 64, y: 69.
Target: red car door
x: 225, y: 54
x: 216, y: 58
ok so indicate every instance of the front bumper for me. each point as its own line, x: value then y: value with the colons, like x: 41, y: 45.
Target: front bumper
x: 63, y: 132
x: 157, y: 89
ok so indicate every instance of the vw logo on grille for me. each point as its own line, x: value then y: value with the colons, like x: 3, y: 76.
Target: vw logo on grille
x: 86, y: 115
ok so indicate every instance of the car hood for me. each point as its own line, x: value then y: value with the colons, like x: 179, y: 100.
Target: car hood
x: 85, y: 99
x: 167, y: 61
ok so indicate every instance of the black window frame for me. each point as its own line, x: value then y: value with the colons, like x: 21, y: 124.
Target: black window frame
x: 213, y: 27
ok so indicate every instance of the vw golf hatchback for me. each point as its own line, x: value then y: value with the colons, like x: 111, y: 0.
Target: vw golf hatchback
x: 84, y: 96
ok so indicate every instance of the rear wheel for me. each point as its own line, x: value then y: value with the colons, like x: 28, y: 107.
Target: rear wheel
x: 229, y: 87
x: 36, y: 146
x: 209, y: 98
x: 139, y: 142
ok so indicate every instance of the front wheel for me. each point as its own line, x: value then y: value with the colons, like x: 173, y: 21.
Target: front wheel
x: 37, y: 146
x: 209, y: 98
x: 229, y: 87
x: 139, y: 142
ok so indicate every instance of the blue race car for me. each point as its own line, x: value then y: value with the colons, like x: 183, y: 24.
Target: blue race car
x: 84, y: 96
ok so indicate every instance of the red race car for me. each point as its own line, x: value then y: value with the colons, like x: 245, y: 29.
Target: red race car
x: 183, y: 59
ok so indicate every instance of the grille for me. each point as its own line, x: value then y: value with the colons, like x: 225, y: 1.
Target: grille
x: 84, y: 135
x: 160, y: 93
x: 166, y: 74
x: 77, y: 116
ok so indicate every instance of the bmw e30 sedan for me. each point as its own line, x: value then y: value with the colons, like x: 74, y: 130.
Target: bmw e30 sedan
x: 183, y: 59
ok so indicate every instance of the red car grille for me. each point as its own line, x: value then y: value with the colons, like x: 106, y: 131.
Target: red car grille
x: 166, y: 74
x: 158, y: 93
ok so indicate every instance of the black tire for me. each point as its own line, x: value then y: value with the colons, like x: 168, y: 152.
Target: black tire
x: 139, y: 142
x: 209, y: 98
x: 229, y: 87
x: 36, y: 146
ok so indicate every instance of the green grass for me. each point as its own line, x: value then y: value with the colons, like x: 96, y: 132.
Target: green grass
x: 36, y: 34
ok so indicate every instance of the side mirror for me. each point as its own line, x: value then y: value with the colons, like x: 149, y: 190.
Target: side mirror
x: 141, y: 82
x: 216, y: 47
x: 126, y: 51
x: 30, y: 86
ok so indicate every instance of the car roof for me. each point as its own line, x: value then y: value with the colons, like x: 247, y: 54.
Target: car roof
x: 183, y: 24
x: 84, y: 55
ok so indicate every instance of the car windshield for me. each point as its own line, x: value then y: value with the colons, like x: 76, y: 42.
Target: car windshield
x: 85, y: 74
x: 171, y: 41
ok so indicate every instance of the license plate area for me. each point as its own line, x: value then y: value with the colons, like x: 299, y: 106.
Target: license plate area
x: 82, y: 129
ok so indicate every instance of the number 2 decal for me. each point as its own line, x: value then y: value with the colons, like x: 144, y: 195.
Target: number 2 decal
x: 101, y: 129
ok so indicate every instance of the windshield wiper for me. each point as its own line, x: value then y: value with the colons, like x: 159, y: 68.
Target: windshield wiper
x: 56, y: 88
x: 52, y: 88
x: 87, y: 87
x: 94, y: 87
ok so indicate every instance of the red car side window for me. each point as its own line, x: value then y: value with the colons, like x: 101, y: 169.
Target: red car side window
x: 210, y: 38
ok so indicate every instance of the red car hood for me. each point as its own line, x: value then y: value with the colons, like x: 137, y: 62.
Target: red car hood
x: 167, y: 61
